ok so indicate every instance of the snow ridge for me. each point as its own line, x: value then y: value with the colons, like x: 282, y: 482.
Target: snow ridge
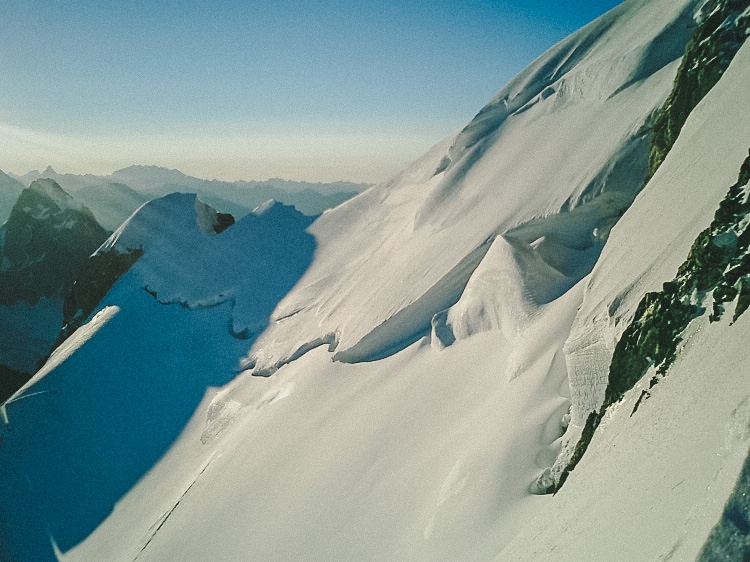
x: 505, y: 169
x: 434, y: 343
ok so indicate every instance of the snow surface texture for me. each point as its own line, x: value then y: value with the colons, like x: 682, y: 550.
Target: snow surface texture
x: 568, y: 133
x: 694, y: 432
x: 627, y: 271
x: 251, y: 265
x: 115, y: 395
x: 28, y: 330
x: 453, y: 299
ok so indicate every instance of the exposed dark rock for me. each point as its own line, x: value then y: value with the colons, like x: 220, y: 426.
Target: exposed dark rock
x: 717, y: 266
x: 45, y: 243
x: 97, y: 276
x: 10, y: 381
x: 707, y: 55
x: 719, y: 261
x: 223, y: 221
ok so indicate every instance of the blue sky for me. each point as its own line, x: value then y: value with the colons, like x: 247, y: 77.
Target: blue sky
x: 228, y: 89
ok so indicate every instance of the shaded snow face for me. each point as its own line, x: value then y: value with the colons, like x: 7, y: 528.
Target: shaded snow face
x: 117, y: 393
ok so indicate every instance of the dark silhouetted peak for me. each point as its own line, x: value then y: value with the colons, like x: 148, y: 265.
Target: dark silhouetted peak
x: 46, y: 237
x: 223, y: 221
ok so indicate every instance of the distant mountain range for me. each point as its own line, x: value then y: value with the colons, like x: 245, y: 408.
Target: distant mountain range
x: 47, y: 236
x: 10, y: 189
x: 114, y: 197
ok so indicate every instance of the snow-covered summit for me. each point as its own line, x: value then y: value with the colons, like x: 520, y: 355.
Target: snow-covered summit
x: 189, y: 256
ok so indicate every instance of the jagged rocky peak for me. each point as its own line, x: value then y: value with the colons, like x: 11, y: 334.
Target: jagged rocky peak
x: 52, y: 189
x: 46, y: 237
x: 44, y: 199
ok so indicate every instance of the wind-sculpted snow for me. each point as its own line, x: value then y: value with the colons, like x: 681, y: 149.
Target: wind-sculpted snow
x: 527, y: 267
x: 574, y: 71
x: 185, y: 262
x: 583, y: 133
x: 434, y: 344
x: 716, y: 270
x: 669, y: 215
x: 115, y: 395
x: 686, y: 432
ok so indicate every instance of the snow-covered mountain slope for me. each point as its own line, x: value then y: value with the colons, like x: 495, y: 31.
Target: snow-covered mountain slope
x: 167, y: 331
x: 428, y: 343
x: 555, y: 157
x: 663, y: 473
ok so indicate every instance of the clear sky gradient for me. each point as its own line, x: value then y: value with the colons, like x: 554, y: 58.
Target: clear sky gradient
x: 231, y: 89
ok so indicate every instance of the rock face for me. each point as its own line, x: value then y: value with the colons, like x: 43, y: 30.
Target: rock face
x: 716, y: 272
x: 10, y: 189
x: 46, y: 239
x: 722, y: 31
x: 602, y: 365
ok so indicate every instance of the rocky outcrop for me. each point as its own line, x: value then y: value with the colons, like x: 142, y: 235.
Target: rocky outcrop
x: 613, y: 363
x: 43, y: 245
x: 724, y: 25
x: 45, y: 240
x: 716, y: 272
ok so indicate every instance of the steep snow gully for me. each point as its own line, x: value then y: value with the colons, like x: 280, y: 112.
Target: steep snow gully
x: 430, y: 350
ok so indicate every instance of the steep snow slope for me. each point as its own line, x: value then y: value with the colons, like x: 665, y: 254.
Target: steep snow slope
x: 702, y: 165
x: 569, y: 133
x: 112, y: 398
x: 664, y: 473
x: 446, y: 297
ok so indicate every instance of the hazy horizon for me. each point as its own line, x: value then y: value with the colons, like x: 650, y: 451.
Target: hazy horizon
x: 305, y: 91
